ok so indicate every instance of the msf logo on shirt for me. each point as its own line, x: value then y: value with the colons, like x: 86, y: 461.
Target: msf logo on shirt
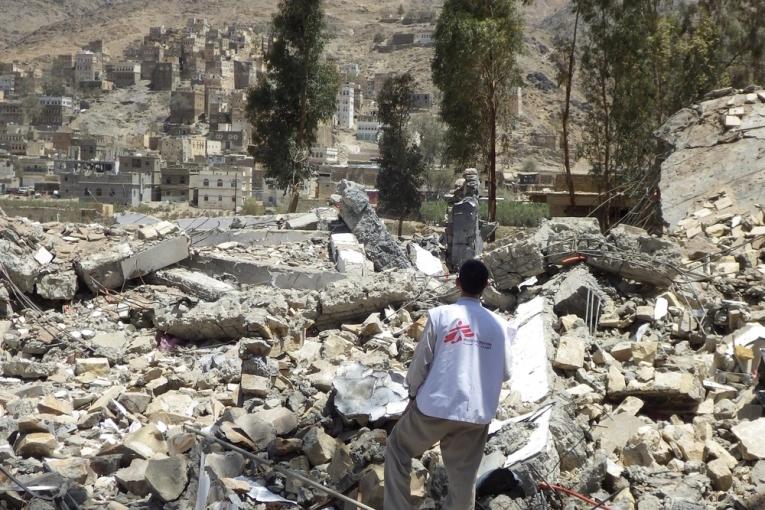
x: 459, y: 333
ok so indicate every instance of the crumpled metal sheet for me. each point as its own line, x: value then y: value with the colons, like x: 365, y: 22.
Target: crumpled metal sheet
x: 362, y: 392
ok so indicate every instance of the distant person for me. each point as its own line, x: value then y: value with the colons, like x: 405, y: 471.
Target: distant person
x: 455, y: 378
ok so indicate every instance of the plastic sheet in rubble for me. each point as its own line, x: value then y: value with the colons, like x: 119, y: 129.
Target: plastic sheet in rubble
x: 372, y: 394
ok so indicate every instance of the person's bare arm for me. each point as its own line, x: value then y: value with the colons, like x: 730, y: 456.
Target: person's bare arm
x: 423, y: 356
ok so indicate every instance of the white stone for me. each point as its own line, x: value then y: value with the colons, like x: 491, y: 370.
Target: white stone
x: 751, y: 434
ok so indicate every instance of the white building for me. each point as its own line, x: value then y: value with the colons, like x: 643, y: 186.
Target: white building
x: 423, y: 38
x: 367, y: 128
x: 323, y: 155
x: 344, y: 114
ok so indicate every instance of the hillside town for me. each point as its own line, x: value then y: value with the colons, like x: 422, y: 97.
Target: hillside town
x: 194, y: 150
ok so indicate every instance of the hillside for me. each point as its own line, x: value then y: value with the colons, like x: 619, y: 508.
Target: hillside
x: 37, y: 29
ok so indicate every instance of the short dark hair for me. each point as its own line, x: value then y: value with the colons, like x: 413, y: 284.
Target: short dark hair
x: 474, y: 275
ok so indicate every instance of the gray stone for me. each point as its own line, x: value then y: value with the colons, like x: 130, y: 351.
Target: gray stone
x: 355, y: 210
x: 61, y: 286
x: 168, y: 477
x: 514, y: 262
x: 367, y: 395
x: 570, y: 353
x: 720, y: 474
x: 283, y: 420
x: 319, y: 446
x: 26, y: 369
x: 194, y: 282
x: 571, y: 296
x: 227, y: 464
x: 22, y: 268
x: 260, y: 432
x: 133, y: 478
x: 751, y: 434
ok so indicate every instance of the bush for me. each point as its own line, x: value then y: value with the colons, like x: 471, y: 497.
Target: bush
x: 512, y: 214
x: 252, y: 207
x: 379, y: 38
x: 433, y: 211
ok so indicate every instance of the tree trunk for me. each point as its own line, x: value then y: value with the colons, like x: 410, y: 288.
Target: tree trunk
x: 566, y: 112
x: 294, y: 200
x: 493, y: 167
x: 400, y: 226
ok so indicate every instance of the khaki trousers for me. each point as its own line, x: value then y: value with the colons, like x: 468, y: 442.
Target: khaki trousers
x: 461, y: 448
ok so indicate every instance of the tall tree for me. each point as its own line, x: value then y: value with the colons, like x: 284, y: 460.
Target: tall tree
x: 569, y: 82
x: 640, y: 62
x: 475, y: 67
x: 298, y: 91
x: 401, y: 163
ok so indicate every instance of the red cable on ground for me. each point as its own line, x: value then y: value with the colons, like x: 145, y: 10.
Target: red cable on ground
x: 573, y: 259
x: 573, y: 493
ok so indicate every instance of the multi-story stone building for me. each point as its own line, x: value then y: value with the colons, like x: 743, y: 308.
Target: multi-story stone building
x: 165, y: 76
x: 124, y: 74
x: 345, y: 111
x: 222, y: 188
x: 109, y: 188
x: 11, y: 112
x: 367, y: 128
x: 230, y: 140
x: 175, y: 180
x: 187, y: 104
x: 55, y: 111
x: 88, y: 66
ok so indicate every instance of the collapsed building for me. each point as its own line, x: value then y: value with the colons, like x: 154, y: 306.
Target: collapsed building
x: 635, y: 365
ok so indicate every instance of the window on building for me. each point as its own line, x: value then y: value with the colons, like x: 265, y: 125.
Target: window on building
x: 168, y: 180
x: 233, y: 199
x: 98, y: 192
x: 206, y: 183
x: 206, y: 198
x: 86, y: 192
x: 233, y: 183
x: 183, y: 180
x: 112, y: 193
x: 220, y: 183
x: 220, y: 198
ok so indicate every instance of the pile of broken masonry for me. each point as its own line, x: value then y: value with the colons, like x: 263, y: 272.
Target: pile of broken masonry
x: 634, y: 379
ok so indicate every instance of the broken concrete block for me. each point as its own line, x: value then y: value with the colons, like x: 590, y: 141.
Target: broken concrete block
x: 614, y: 432
x: 621, y: 351
x: 255, y: 385
x: 750, y: 434
x: 367, y: 395
x: 73, y: 468
x: 713, y: 449
x: 307, y: 221
x: 732, y: 121
x: 371, y: 486
x: 168, y: 477
x: 720, y: 474
x: 261, y: 433
x: 195, y: 283
x: 133, y: 478
x: 26, y: 369
x: 283, y: 420
x: 36, y: 444
x: 644, y: 352
x: 615, y: 381
x: 570, y: 353
x: 146, y: 442
x: 319, y: 446
x: 60, y: 286
x: 355, y: 210
x: 135, y: 402
x: 52, y: 405
x: 424, y: 261
x: 571, y: 297
x: 113, y: 268
x: 227, y: 464
x: 514, y: 262
x: 22, y: 268
x: 99, y: 366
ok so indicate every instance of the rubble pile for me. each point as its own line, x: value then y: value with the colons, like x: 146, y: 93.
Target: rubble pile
x: 635, y: 364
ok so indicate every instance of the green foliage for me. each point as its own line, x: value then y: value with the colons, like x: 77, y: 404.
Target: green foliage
x: 401, y: 163
x: 433, y: 211
x: 297, y: 93
x: 474, y: 67
x: 252, y: 207
x: 512, y: 214
x: 641, y: 61
x: 379, y: 38
x: 529, y: 166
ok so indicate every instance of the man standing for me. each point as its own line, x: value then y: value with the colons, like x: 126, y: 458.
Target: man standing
x: 455, y: 378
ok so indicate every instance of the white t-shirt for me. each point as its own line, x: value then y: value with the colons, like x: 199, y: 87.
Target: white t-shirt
x: 460, y: 363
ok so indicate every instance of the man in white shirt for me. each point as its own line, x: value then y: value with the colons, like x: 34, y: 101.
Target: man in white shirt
x: 455, y: 378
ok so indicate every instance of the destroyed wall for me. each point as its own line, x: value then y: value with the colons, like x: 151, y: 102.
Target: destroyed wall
x: 715, y: 147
